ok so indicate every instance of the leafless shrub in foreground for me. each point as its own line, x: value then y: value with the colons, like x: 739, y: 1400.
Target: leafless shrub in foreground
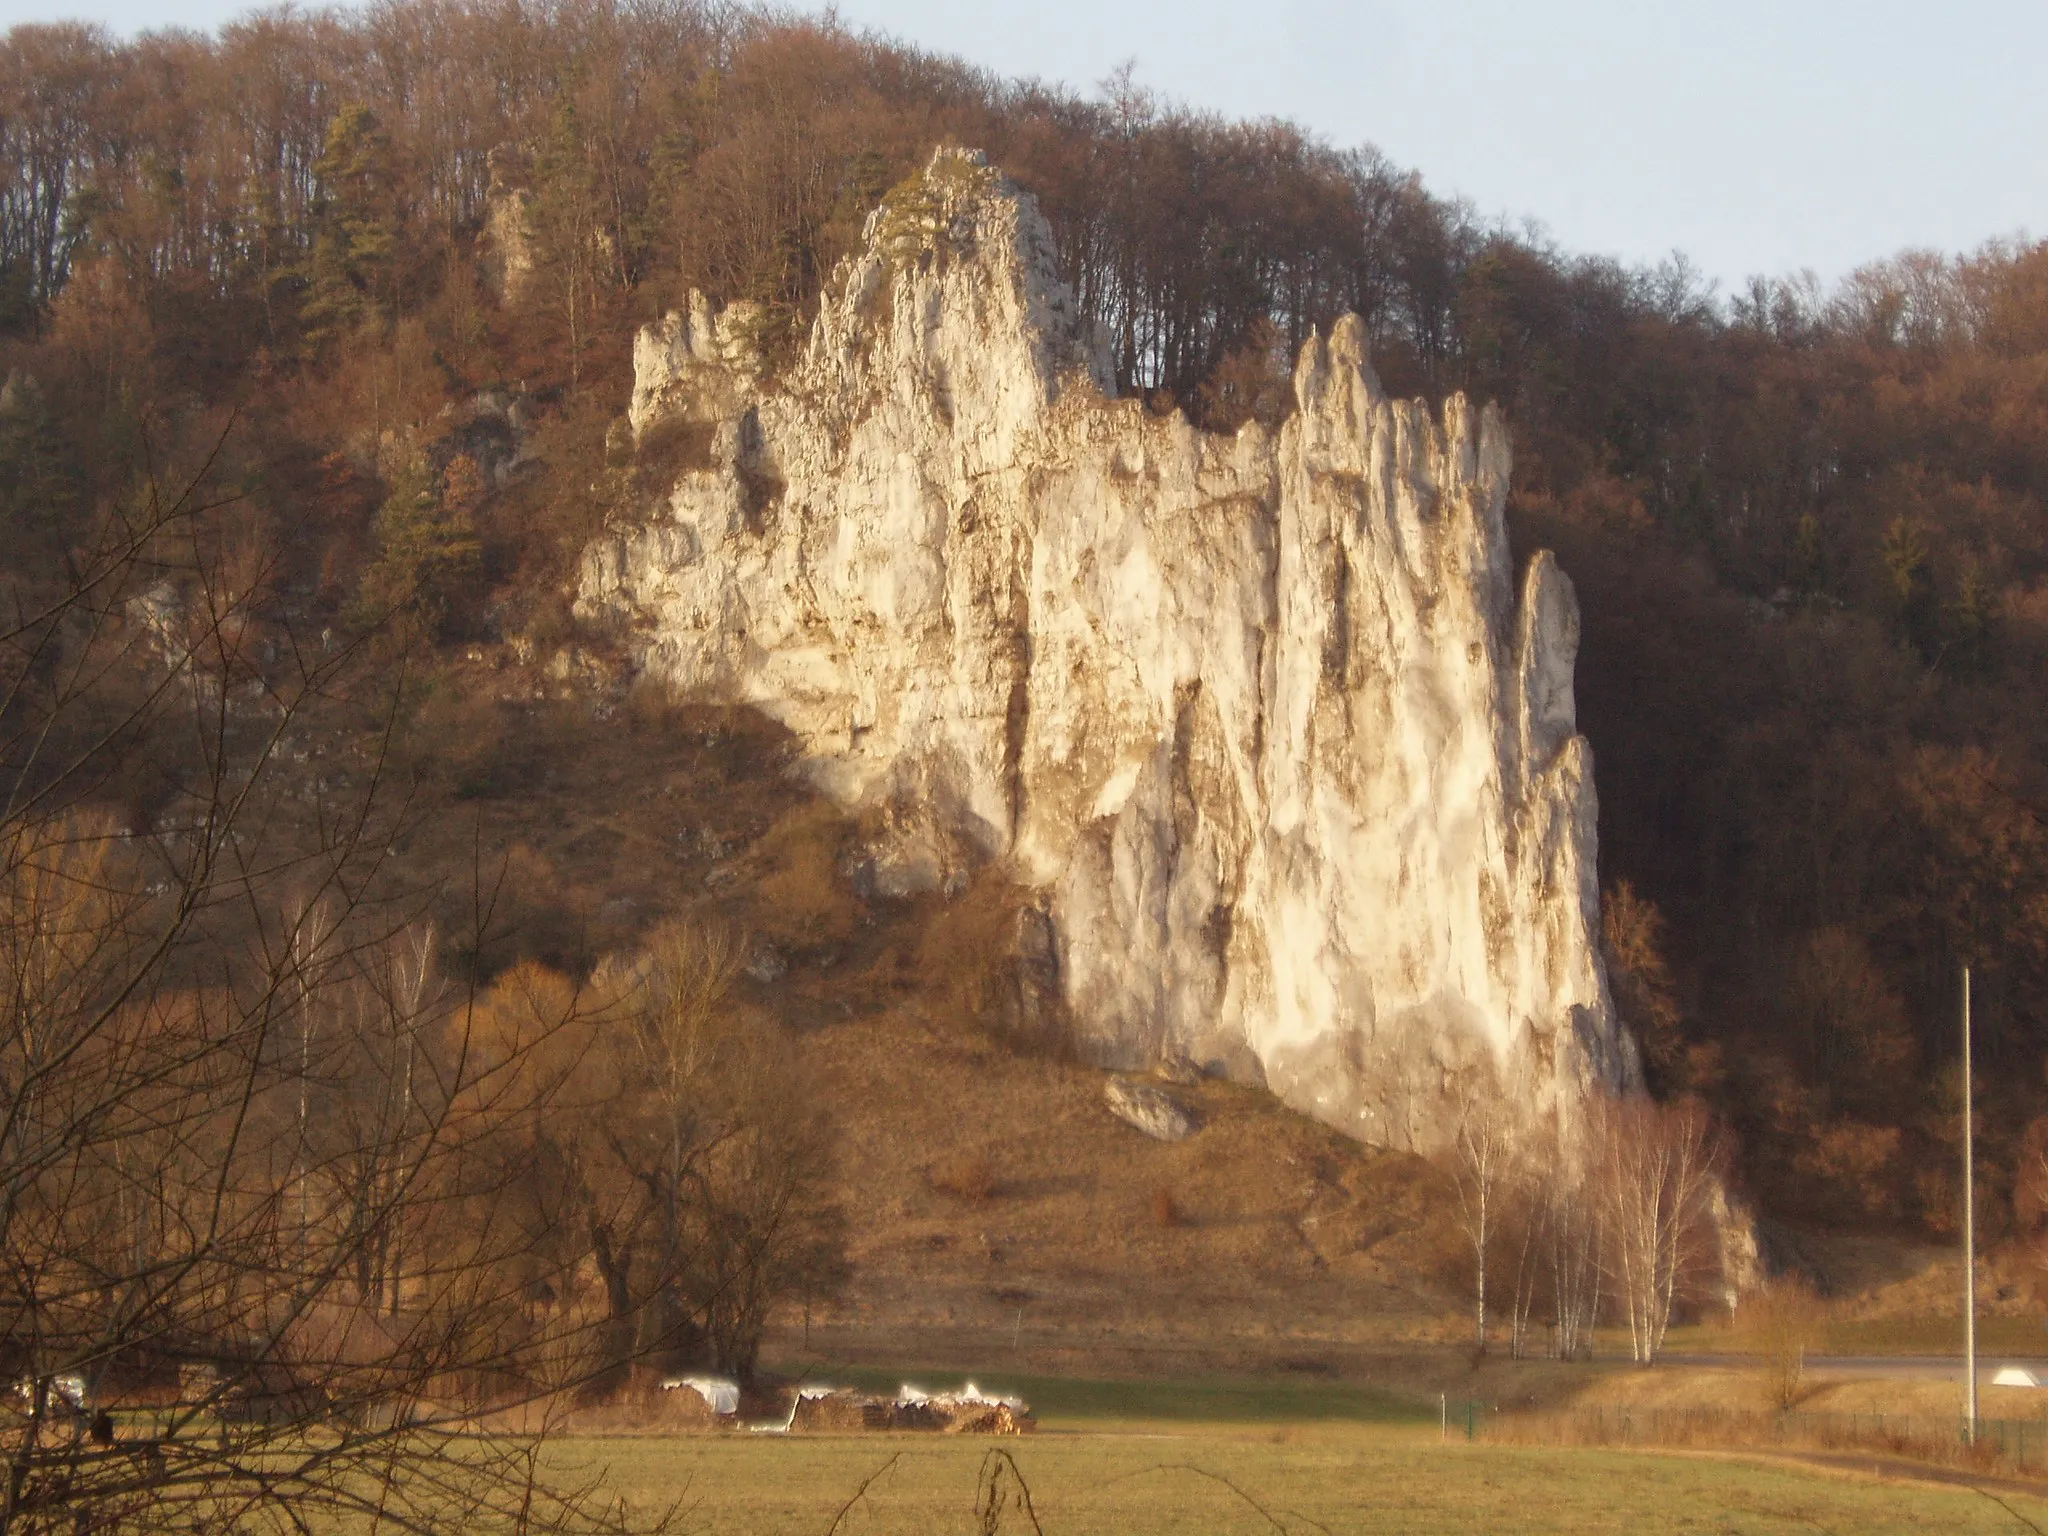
x: 252, y: 1162
x: 1778, y: 1325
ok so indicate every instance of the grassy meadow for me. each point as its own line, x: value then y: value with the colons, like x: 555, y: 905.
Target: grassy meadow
x: 1134, y: 1458
x: 1225, y: 1479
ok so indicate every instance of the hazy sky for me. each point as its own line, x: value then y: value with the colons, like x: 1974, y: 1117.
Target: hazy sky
x: 1754, y: 135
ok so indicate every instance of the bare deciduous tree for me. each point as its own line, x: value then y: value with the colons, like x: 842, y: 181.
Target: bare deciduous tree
x: 229, y: 1087
x: 1656, y: 1168
x: 671, y: 1132
x: 1572, y: 1243
x: 1482, y: 1162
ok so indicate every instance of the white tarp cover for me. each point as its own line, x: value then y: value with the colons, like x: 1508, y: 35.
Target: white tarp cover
x: 66, y: 1391
x: 721, y: 1395
x: 2015, y: 1376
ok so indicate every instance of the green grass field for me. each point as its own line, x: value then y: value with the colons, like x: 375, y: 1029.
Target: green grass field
x: 1937, y: 1336
x: 1343, y: 1479
x: 2025, y: 1337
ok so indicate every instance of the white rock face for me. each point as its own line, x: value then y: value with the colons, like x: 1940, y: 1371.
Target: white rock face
x: 1263, y: 719
x: 509, y: 257
x: 1152, y: 1111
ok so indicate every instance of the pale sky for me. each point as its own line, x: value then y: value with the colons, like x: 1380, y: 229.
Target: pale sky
x: 1754, y: 135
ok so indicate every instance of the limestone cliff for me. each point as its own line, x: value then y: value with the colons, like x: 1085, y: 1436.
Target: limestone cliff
x: 1267, y: 721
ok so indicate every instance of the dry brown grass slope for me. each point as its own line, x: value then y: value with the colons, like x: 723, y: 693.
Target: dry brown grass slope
x: 995, y: 1199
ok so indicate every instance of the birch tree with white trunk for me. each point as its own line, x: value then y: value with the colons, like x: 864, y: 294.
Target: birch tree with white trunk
x: 1483, y: 1160
x: 1656, y: 1168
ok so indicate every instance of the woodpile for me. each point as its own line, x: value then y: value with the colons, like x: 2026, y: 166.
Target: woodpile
x: 1001, y: 1419
x: 967, y: 1412
x: 837, y: 1412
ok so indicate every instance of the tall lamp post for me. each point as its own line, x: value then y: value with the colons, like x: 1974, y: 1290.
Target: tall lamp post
x: 1969, y: 1238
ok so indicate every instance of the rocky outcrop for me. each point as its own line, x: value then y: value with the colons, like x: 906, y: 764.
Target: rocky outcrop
x: 509, y: 261
x: 1153, y: 1111
x: 1268, y: 722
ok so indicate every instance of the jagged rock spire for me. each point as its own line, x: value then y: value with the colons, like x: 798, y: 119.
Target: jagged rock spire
x: 1266, y: 720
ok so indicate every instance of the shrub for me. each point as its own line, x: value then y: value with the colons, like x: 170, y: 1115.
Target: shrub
x: 798, y: 896
x: 990, y: 954
x: 967, y: 1175
x: 650, y: 706
x: 461, y: 737
x: 1166, y: 1211
x: 1779, y: 1324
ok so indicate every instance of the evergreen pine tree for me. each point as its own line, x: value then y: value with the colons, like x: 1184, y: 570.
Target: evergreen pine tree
x: 427, y: 546
x: 351, y: 268
x: 1909, y: 583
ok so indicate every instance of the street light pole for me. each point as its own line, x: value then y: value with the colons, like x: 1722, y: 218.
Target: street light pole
x: 1969, y: 1236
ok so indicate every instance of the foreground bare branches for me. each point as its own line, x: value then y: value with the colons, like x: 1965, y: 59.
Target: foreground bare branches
x: 282, y: 1204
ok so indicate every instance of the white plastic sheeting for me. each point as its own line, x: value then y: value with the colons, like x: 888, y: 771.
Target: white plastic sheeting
x: 721, y: 1395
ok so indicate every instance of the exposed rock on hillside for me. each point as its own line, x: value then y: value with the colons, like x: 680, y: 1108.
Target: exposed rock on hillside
x: 1263, y: 719
x: 509, y: 259
x: 1152, y: 1110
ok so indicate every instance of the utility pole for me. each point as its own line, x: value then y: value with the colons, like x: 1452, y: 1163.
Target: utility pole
x: 1969, y: 1237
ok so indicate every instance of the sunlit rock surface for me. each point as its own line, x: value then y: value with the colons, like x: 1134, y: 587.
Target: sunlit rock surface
x: 1268, y: 721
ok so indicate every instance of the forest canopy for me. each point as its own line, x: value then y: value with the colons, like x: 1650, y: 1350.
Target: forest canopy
x: 330, y: 255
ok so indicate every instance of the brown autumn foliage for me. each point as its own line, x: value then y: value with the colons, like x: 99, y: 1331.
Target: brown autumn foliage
x: 1806, y: 528
x: 281, y: 1175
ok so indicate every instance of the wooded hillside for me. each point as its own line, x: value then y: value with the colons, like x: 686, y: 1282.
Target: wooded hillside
x: 1807, y: 528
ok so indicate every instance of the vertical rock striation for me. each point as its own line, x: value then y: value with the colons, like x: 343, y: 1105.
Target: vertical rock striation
x: 1267, y: 721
